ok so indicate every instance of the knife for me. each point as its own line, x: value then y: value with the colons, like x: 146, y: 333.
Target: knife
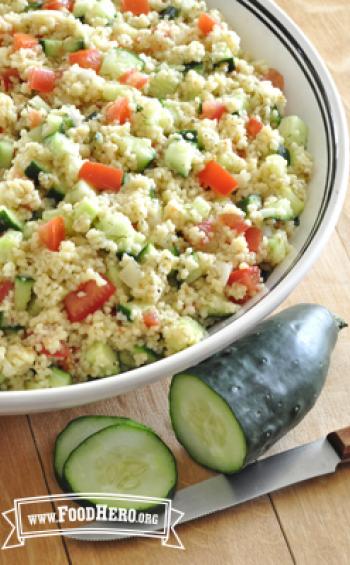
x: 308, y: 461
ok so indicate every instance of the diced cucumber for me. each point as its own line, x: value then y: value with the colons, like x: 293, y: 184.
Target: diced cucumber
x: 220, y: 307
x: 60, y: 145
x: 113, y: 275
x: 101, y: 360
x: 52, y: 125
x: 199, y: 209
x: 9, y: 220
x: 117, y: 61
x: 179, y: 157
x: 33, y: 170
x: 104, y: 9
x: 164, y: 83
x: 146, y: 252
x: 80, y: 190
x: 275, y: 117
x: 251, y: 202
x: 36, y: 134
x: 23, y: 292
x: 7, y: 150
x: 277, y: 247
x: 8, y: 242
x: 131, y: 273
x: 39, y: 104
x: 77, y: 431
x: 87, y: 208
x: 143, y: 151
x: 194, y: 273
x: 183, y: 332
x: 126, y: 311
x: 59, y: 378
x: 279, y: 209
x: 123, y: 459
x: 55, y: 194
x: 81, y: 7
x: 52, y: 47
x: 116, y: 226
x: 294, y: 130
x: 169, y: 13
x: 127, y: 358
x: 72, y: 44
x: 112, y: 91
x: 173, y: 279
x: 297, y: 204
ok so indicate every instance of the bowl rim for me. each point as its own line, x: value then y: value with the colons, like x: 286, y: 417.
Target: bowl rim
x: 288, y: 32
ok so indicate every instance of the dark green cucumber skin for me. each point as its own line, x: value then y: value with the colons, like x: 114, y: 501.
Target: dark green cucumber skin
x: 273, y: 376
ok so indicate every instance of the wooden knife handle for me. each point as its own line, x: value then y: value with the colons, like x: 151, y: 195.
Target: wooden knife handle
x: 340, y: 441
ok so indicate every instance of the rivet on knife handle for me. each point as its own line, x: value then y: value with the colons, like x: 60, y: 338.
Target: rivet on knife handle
x: 340, y: 441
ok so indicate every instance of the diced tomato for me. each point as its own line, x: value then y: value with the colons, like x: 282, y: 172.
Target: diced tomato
x: 206, y: 23
x: 7, y: 77
x: 58, y: 5
x: 249, y: 277
x: 102, y: 177
x: 234, y: 221
x: 5, y: 287
x: 212, y: 109
x: 275, y: 78
x: 52, y: 233
x: 254, y: 238
x: 217, y: 178
x: 88, y: 298
x: 150, y: 319
x: 23, y: 41
x: 87, y: 59
x: 34, y: 118
x: 253, y: 127
x: 134, y: 78
x: 137, y: 7
x: 119, y: 111
x: 42, y: 80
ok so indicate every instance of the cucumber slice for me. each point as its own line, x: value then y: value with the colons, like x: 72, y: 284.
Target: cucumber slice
x: 140, y: 462
x: 80, y: 190
x: 87, y: 208
x: 8, y: 242
x: 59, y: 378
x: 60, y: 145
x: 294, y: 130
x: 205, y: 425
x: 169, y: 13
x: 23, y: 292
x: 179, y: 156
x: 9, y: 220
x: 6, y: 153
x: 72, y: 44
x: 164, y: 83
x: 280, y: 209
x: 52, y: 47
x: 33, y: 170
x: 77, y: 431
x: 101, y: 360
x: 118, y: 61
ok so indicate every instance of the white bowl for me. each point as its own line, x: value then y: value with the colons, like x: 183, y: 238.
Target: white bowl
x: 267, y: 33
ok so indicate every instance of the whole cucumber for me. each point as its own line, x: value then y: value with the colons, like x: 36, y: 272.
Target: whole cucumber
x: 269, y: 380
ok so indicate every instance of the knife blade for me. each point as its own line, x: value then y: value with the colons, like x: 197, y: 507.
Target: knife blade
x: 265, y: 476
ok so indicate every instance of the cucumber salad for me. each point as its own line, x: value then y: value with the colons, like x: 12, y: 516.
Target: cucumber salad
x: 150, y: 180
